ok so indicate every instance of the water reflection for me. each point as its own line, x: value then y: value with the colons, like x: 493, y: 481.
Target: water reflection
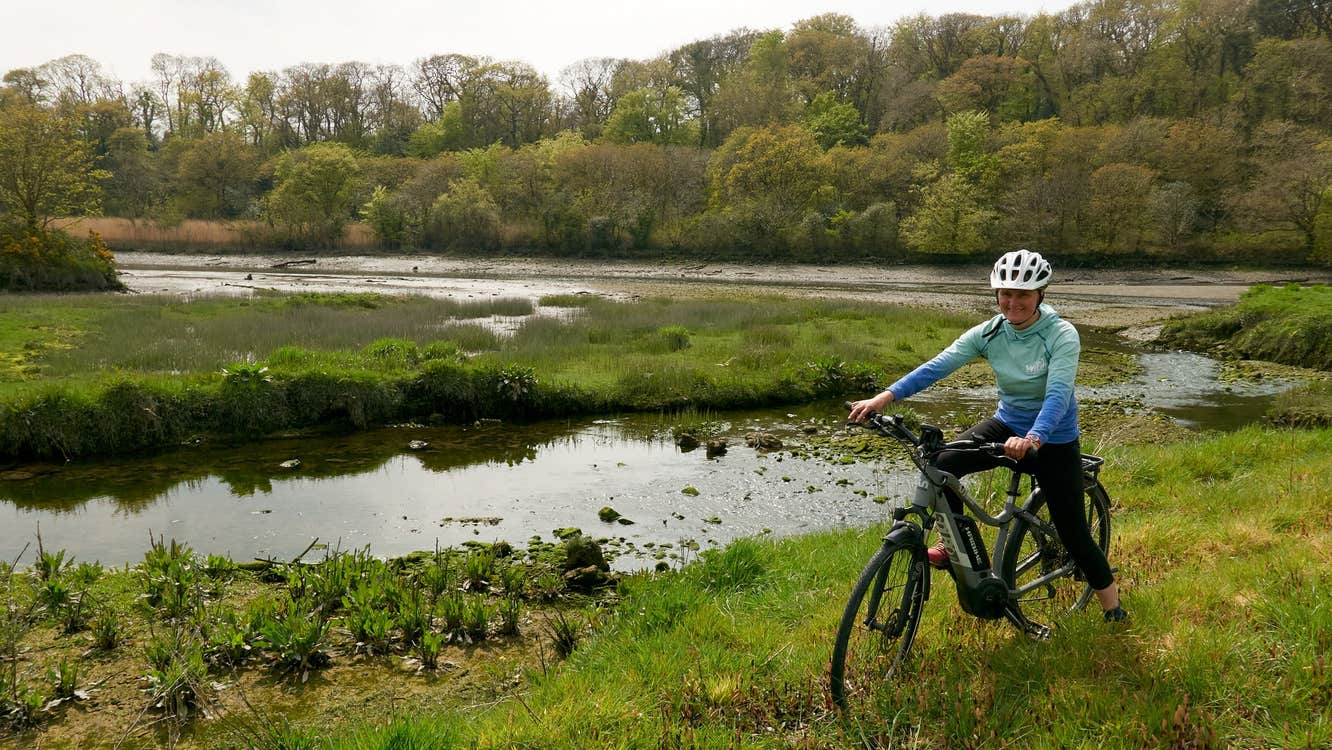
x: 486, y: 482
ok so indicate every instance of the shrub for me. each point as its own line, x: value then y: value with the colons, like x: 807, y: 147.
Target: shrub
x: 392, y: 352
x: 50, y: 260
x: 676, y: 338
x: 466, y: 217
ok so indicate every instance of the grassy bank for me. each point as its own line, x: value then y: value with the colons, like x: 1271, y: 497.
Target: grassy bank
x: 1289, y: 324
x: 1224, y: 553
x: 1224, y: 545
x: 88, y: 376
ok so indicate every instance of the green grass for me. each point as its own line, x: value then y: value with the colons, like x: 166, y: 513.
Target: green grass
x: 1290, y: 324
x: 1225, y: 550
x: 98, y: 375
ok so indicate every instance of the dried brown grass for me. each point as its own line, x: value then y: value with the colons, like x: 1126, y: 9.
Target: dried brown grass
x: 195, y: 234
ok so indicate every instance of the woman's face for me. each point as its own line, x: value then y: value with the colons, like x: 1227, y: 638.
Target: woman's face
x: 1019, y: 305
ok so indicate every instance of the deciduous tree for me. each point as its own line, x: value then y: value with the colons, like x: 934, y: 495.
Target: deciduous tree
x: 45, y: 170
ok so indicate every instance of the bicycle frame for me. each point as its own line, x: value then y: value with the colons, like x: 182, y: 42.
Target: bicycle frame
x: 980, y: 587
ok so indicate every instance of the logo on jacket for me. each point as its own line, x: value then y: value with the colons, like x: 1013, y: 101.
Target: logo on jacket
x: 1036, y: 367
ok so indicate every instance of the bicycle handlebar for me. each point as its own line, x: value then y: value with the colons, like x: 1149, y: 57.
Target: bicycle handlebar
x: 930, y: 440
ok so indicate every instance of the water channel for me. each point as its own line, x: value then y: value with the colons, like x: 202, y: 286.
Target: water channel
x: 492, y: 481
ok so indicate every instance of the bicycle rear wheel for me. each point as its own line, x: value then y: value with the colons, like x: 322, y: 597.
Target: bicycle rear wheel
x: 879, y: 624
x: 1039, y: 567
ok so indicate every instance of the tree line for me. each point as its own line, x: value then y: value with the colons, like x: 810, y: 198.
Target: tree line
x: 1189, y: 128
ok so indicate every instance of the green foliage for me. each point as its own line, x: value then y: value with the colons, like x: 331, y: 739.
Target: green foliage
x: 1322, y: 246
x: 477, y: 615
x: 738, y: 566
x: 676, y: 338
x: 515, y: 382
x: 107, y: 630
x: 176, y: 674
x: 394, y: 353
x: 314, y: 194
x: 215, y: 176
x: 246, y: 375
x: 464, y: 218
x: 46, y: 171
x: 296, y: 639
x: 951, y: 219
x: 651, y: 115
x: 835, y: 123
x: 448, y: 133
x: 610, y: 356
x: 565, y: 631
x: 387, y: 218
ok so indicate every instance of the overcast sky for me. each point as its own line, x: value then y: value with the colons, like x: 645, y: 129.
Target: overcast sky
x: 248, y: 35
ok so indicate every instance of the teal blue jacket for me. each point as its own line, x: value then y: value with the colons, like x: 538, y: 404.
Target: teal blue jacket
x: 1034, y: 369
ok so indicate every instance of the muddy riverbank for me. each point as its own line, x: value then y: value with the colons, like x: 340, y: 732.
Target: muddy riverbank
x: 1114, y: 299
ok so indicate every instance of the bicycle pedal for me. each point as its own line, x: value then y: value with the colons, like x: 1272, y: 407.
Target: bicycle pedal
x: 1038, y: 631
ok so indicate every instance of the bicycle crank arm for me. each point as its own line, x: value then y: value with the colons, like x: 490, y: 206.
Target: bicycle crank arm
x: 1034, y: 630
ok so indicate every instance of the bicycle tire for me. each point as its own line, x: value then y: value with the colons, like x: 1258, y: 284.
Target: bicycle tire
x: 873, y: 641
x: 1033, y: 551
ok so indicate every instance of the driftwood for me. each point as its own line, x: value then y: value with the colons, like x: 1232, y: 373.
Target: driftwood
x: 289, y: 263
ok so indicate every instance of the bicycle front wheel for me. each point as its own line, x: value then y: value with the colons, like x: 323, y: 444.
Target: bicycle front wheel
x: 879, y: 624
x: 1040, y: 569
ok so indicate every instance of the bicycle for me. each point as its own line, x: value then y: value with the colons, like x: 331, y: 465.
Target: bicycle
x: 1031, y: 580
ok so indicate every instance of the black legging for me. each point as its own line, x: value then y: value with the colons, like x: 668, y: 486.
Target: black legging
x: 1058, y: 470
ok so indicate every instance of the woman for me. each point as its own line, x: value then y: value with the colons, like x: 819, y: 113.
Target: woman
x: 1034, y: 355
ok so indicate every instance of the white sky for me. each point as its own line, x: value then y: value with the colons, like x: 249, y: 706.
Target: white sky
x: 248, y: 35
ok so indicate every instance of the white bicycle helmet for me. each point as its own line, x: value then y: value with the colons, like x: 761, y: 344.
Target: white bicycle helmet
x: 1020, y: 269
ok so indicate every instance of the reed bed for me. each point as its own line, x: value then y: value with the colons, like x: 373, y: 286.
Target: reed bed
x: 197, y: 234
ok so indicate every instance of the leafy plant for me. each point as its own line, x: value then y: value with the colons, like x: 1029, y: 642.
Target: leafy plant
x: 55, y: 594
x: 548, y: 584
x: 49, y: 565
x: 451, y: 609
x: 675, y: 338
x: 428, y: 647
x: 106, y: 630
x: 24, y: 707
x: 478, y: 570
x: 370, y: 627
x: 413, y: 618
x: 170, y: 578
x: 176, y: 678
x: 74, y: 614
x: 228, y: 642
x: 513, y: 579
x: 438, y: 576
x: 510, y: 610
x: 86, y: 573
x: 515, y: 382
x: 219, y: 567
x: 296, y: 639
x: 476, y: 618
x: 65, y: 680
x: 246, y: 375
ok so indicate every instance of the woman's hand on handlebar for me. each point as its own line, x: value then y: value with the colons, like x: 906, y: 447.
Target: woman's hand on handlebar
x: 1017, y: 448
x: 861, y: 410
